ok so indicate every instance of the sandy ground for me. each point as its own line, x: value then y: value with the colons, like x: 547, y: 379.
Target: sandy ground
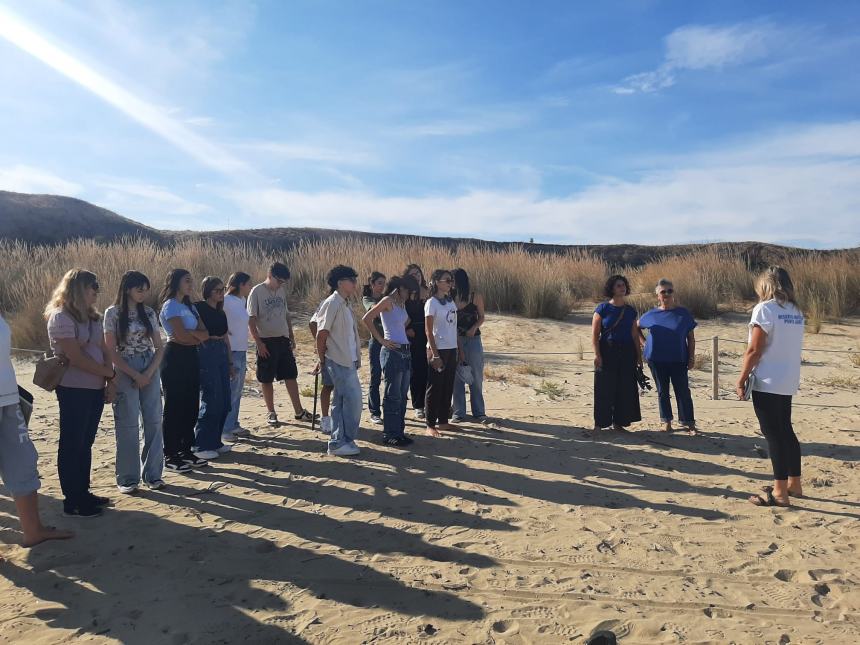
x: 534, y: 531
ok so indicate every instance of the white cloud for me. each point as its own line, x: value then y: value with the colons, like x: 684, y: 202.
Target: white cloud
x: 133, y: 197
x: 26, y: 179
x: 148, y: 114
x: 700, y: 47
x: 783, y: 187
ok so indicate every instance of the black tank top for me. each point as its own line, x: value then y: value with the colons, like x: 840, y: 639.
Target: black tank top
x: 467, y: 317
x: 415, y: 311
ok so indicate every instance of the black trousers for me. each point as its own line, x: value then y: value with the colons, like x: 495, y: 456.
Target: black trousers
x: 774, y: 418
x: 440, y: 389
x: 418, y: 379
x: 180, y: 380
x: 616, y: 394
x: 80, y: 413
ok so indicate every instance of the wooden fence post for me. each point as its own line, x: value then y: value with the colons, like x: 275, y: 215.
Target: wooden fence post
x: 715, y: 367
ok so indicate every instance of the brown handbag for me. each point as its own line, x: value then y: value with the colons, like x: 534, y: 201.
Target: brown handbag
x: 51, y: 368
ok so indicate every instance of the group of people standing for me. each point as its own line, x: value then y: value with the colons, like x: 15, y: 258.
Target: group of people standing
x: 770, y: 372
x: 425, y: 345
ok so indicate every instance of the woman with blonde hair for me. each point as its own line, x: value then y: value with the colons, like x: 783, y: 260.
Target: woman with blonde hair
x: 772, y: 361
x: 75, y: 333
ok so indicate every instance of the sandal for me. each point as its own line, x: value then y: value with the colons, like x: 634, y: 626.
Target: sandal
x: 306, y: 416
x: 769, y: 489
x: 758, y: 500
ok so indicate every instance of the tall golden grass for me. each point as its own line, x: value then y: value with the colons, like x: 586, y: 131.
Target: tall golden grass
x: 516, y: 281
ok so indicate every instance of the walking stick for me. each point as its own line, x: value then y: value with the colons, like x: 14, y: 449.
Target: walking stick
x: 316, y: 392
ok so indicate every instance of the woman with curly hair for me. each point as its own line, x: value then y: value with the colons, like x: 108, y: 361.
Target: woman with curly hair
x: 615, y: 339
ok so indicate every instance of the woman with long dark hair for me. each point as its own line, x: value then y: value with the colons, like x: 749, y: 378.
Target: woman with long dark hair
x: 216, y: 370
x: 615, y: 340
x: 443, y: 352
x: 370, y: 295
x: 417, y: 335
x: 470, y: 317
x: 395, y: 356
x: 773, y: 360
x: 236, y: 309
x: 180, y: 371
x: 75, y: 333
x: 134, y: 345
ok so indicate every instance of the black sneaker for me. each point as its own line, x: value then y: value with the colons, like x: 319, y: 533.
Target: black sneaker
x: 87, y: 510
x: 192, y: 460
x: 397, y: 441
x: 176, y: 465
x: 96, y: 500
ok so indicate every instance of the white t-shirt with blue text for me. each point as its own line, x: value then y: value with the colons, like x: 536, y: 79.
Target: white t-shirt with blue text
x: 778, y: 371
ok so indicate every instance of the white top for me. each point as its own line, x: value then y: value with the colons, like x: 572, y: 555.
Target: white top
x: 237, y: 322
x: 8, y: 384
x: 353, y: 340
x: 778, y: 371
x: 444, y: 322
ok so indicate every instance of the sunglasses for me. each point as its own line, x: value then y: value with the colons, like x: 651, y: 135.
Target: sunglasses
x: 95, y: 286
x: 667, y: 292
x: 445, y: 280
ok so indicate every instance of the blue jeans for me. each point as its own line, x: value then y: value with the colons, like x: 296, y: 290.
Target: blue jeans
x: 373, y: 351
x: 215, y: 394
x: 237, y: 384
x: 131, y: 405
x: 345, y: 404
x: 677, y: 373
x: 397, y: 367
x: 474, y: 353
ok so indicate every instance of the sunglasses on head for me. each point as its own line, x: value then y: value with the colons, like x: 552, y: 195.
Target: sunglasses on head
x: 667, y: 292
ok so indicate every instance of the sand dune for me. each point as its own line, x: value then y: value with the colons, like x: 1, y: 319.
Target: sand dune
x: 534, y: 531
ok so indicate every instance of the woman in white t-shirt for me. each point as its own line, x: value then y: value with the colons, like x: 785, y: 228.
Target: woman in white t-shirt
x: 236, y: 308
x: 443, y: 352
x: 773, y: 358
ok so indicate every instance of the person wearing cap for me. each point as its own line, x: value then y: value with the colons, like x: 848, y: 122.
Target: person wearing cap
x: 338, y: 351
x: 670, y: 350
x: 272, y: 329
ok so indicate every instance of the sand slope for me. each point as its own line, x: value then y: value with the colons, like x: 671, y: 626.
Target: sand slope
x: 535, y: 531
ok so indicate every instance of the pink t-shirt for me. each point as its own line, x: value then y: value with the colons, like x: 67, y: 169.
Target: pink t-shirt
x: 62, y: 325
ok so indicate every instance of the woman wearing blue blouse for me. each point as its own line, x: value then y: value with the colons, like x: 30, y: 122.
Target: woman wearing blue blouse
x: 670, y: 350
x: 617, y: 353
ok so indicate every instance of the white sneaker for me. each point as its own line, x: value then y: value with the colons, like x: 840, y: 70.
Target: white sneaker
x: 158, y: 484
x: 325, y: 425
x: 239, y: 431
x: 272, y: 419
x: 229, y: 437
x: 207, y: 454
x: 346, y: 450
x: 126, y: 490
x: 375, y: 418
x: 224, y: 449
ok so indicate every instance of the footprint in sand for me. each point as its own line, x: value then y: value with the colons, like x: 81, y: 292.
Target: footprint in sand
x: 505, y: 628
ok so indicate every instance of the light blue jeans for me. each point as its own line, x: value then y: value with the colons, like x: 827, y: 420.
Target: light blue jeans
x: 473, y: 350
x: 346, y: 402
x: 237, y: 384
x: 132, y: 404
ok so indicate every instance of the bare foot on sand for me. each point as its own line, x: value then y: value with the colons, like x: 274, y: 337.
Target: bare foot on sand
x: 433, y: 432
x: 668, y: 427
x: 448, y: 427
x: 44, y: 534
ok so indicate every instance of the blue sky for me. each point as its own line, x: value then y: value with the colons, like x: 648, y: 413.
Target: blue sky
x: 634, y: 121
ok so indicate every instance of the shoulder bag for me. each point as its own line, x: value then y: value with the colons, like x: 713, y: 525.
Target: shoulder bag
x: 50, y: 368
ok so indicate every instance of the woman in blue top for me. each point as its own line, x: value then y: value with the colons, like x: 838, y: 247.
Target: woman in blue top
x: 670, y: 350
x: 395, y: 355
x: 180, y: 371
x: 615, y: 339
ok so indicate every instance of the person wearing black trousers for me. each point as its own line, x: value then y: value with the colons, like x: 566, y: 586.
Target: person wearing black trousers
x: 417, y: 335
x: 180, y: 371
x: 615, y: 339
x: 444, y: 352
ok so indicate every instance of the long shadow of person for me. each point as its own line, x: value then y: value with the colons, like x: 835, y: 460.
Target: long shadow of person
x: 163, y: 581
